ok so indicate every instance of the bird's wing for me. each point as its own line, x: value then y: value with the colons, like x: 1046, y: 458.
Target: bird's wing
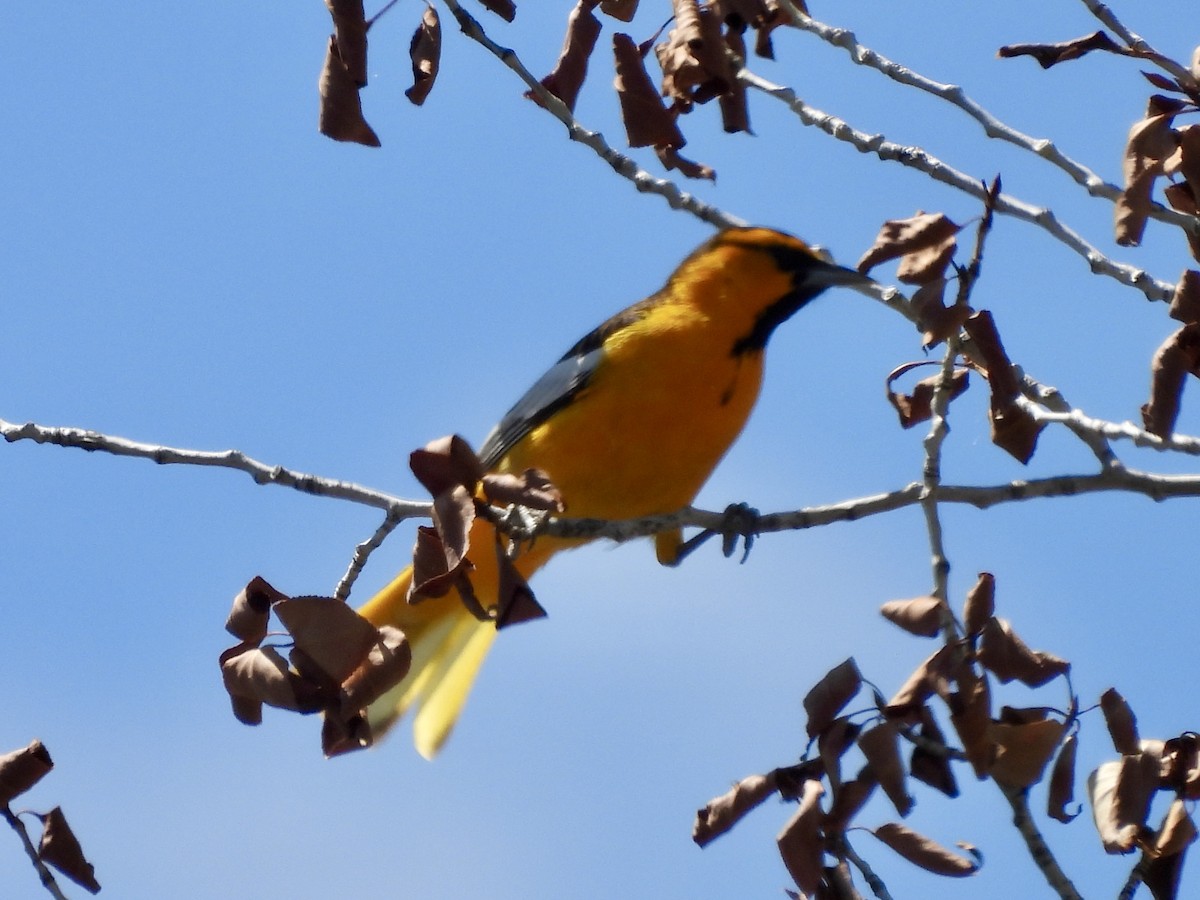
x: 550, y: 393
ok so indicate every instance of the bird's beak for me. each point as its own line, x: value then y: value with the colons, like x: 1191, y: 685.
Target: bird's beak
x: 829, y: 274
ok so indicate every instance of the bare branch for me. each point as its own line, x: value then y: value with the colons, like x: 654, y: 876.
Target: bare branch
x: 1042, y: 856
x: 262, y: 473
x: 916, y: 158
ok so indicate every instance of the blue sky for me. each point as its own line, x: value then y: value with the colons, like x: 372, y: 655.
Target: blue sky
x: 184, y: 260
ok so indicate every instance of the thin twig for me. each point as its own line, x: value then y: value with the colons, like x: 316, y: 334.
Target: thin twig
x: 44, y: 873
x: 992, y: 126
x: 1039, y: 851
x: 874, y: 882
x: 262, y: 473
x: 1138, y: 43
x: 916, y: 158
x: 362, y: 552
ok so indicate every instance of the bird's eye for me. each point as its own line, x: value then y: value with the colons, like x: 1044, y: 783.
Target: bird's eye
x: 821, y: 253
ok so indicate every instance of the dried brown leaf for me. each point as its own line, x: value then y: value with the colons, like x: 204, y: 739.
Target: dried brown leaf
x: 1002, y: 652
x: 880, y: 746
x: 1013, y: 430
x: 927, y: 264
x: 981, y: 603
x: 384, y: 667
x: 970, y: 714
x: 927, y: 765
x: 921, y: 616
x: 937, y: 321
x: 832, y: 743
x: 1023, y: 751
x: 670, y: 158
x: 648, y: 123
x: 1176, y: 832
x: 515, y: 600
x: 60, y: 848
x: 1062, y: 782
x: 917, y: 407
x: 445, y: 463
x: 566, y: 78
x: 532, y: 489
x: 1049, y: 55
x: 695, y: 67
x: 329, y: 632
x: 340, y: 735
x: 251, y: 610
x: 800, y: 842
x: 933, y: 675
x: 1161, y: 876
x: 425, y: 52
x: 622, y: 10
x: 899, y: 237
x: 1178, y: 355
x: 829, y: 695
x: 22, y: 769
x: 1185, y: 302
x: 848, y: 798
x: 735, y: 108
x: 1121, y: 792
x: 350, y: 33
x: 722, y: 813
x: 928, y: 854
x: 1121, y: 722
x: 263, y: 675
x: 1151, y: 141
x: 505, y: 9
x: 341, y: 116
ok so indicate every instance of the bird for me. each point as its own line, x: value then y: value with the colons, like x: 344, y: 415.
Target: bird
x: 630, y: 422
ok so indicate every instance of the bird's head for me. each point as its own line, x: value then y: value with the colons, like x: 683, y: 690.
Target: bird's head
x: 766, y: 275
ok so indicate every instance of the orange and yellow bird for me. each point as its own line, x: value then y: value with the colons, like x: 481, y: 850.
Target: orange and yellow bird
x: 630, y: 422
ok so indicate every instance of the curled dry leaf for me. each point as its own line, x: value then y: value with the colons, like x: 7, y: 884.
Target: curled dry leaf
x: 532, y: 489
x: 1023, y: 750
x: 432, y: 577
x: 622, y: 10
x: 928, y: 854
x: 693, y: 61
x: 721, y: 814
x: 899, y: 237
x: 927, y: 765
x: 1120, y: 792
x: 330, y: 633
x: 1049, y: 55
x: 350, y: 34
x: 60, y: 848
x: 1013, y: 429
x: 934, y: 675
x: 648, y: 123
x: 505, y: 9
x: 917, y: 407
x: 1151, y: 141
x: 670, y: 158
x: 1121, y: 722
x: 936, y: 321
x: 383, y: 667
x: 1062, y: 782
x: 425, y: 52
x: 735, y: 108
x: 1177, y: 831
x: 22, y: 769
x: 921, y: 616
x: 567, y: 77
x: 832, y: 744
x: 1185, y: 302
x: 827, y: 697
x: 800, y: 842
x: 1178, y: 355
x: 515, y: 598
x: 341, y: 116
x: 1181, y: 765
x: 1006, y: 655
x: 453, y: 516
x: 881, y: 748
x: 262, y: 674
x: 981, y: 603
x: 252, y: 610
x: 850, y: 797
x: 1161, y: 875
x: 970, y: 714
x: 445, y: 463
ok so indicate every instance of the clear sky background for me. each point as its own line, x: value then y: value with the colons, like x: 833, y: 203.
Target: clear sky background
x: 184, y: 260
